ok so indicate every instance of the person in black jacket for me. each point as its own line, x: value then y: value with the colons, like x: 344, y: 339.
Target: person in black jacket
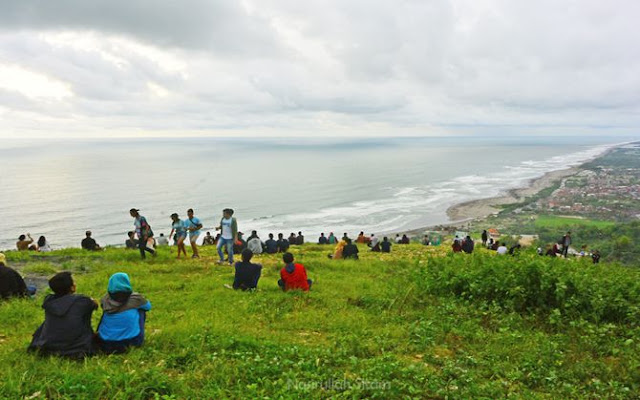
x: 11, y: 283
x: 283, y: 244
x: 467, y: 245
x: 350, y: 250
x: 66, y: 330
x: 247, y: 273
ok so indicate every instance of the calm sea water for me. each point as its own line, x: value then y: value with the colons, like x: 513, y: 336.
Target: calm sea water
x: 61, y: 189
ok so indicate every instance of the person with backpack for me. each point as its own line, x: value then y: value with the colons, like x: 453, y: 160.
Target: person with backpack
x: 144, y: 232
x: 193, y: 226
x: 229, y: 234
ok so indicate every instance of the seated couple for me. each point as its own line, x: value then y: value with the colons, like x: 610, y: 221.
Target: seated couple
x: 292, y: 275
x: 66, y: 330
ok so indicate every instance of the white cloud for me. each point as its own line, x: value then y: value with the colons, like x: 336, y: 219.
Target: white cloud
x: 318, y: 67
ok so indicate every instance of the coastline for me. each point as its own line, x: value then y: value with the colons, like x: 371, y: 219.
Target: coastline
x: 465, y: 212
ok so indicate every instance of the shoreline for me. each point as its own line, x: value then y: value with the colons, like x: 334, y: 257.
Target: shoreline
x: 473, y: 210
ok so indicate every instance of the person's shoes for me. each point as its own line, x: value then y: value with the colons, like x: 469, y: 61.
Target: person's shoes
x: 195, y: 256
x: 220, y: 262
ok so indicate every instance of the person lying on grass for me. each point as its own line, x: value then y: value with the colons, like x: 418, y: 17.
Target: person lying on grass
x: 247, y: 273
x: 123, y: 317
x: 66, y: 330
x: 293, y: 275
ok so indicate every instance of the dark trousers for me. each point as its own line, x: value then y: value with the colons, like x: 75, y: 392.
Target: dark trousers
x: 281, y: 283
x: 142, y: 245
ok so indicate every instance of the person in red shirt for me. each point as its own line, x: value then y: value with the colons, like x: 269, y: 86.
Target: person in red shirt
x: 293, y: 276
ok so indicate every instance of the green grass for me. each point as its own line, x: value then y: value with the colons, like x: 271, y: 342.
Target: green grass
x: 387, y: 326
x: 552, y: 221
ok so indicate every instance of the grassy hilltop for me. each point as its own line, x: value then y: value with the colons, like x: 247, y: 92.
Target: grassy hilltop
x: 416, y: 323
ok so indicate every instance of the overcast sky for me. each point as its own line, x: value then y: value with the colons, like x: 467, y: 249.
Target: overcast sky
x: 288, y: 67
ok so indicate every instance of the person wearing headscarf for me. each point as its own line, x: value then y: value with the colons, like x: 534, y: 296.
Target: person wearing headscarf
x: 123, y: 318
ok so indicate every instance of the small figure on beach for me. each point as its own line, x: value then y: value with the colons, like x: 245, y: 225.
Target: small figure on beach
x: 293, y: 276
x: 123, y: 316
x: 179, y: 233
x: 229, y: 234
x: 89, y: 243
x: 66, y: 330
x: 193, y: 226
x: 144, y: 232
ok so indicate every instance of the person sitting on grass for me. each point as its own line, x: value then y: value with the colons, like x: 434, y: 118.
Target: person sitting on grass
x: 25, y: 243
x: 11, y: 283
x: 385, y: 245
x: 123, y: 316
x: 283, y: 244
x: 132, y: 242
x: 293, y: 275
x: 515, y: 249
x: 374, y: 243
x: 271, y: 245
x: 89, y: 243
x: 208, y: 240
x: 247, y: 273
x: 293, y: 240
x: 360, y: 238
x: 502, y: 249
x: 43, y: 245
x: 456, y: 246
x: 337, y: 253
x: 595, y: 256
x: 425, y: 240
x: 254, y: 243
x: 162, y: 240
x: 350, y: 250
x: 322, y: 239
x: 300, y: 239
x: 467, y: 245
x: 240, y: 244
x: 332, y: 239
x: 66, y: 330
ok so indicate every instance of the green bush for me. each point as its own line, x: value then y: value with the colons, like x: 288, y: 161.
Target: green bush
x: 531, y: 284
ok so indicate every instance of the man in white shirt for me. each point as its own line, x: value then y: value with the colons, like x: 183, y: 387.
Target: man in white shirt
x: 502, y: 249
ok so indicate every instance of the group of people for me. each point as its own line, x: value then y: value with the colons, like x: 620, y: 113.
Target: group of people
x: 26, y: 242
x: 293, y: 276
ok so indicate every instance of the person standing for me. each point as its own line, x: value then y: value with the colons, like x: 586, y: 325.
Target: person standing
x: 566, y: 242
x: 229, y: 234
x: 193, y: 226
x: 179, y: 227
x: 144, y: 232
x: 485, y: 237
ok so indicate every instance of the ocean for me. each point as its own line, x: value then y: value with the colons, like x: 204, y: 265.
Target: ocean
x: 60, y: 189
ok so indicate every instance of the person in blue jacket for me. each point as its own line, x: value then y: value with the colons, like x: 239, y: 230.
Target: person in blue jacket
x: 123, y: 318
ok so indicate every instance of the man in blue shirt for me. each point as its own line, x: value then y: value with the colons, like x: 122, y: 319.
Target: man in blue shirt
x: 193, y: 225
x: 272, y: 245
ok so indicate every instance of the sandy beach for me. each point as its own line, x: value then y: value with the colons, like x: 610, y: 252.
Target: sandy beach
x: 483, y: 207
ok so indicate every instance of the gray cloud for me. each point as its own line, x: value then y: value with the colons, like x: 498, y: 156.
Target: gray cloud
x: 347, y: 66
